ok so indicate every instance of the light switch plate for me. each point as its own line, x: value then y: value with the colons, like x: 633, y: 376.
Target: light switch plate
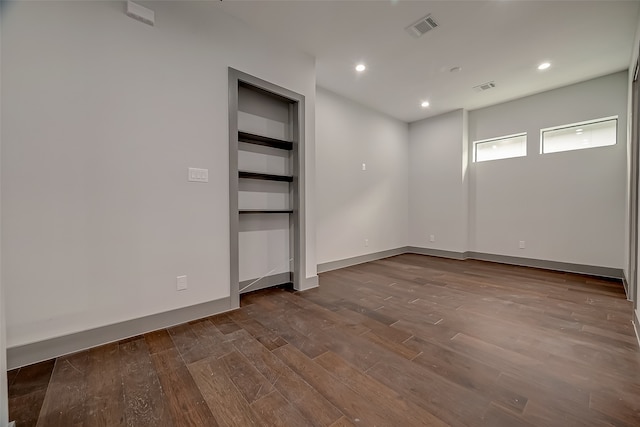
x: 181, y: 283
x: 198, y: 175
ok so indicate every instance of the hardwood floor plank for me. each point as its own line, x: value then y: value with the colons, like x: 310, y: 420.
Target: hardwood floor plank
x: 25, y: 409
x: 343, y: 422
x: 624, y: 409
x: 545, y: 413
x: 431, y: 392
x: 11, y: 376
x: 225, y: 401
x: 437, y: 332
x: 259, y: 356
x: 491, y: 354
x: 549, y: 403
x: 27, y: 388
x: 353, y: 348
x: 467, y: 372
x: 257, y: 330
x: 184, y: 400
x: 144, y: 400
x: 498, y: 417
x: 356, y: 349
x: 397, y: 348
x: 357, y: 408
x: 105, y: 395
x: 311, y: 404
x: 388, y: 332
x: 251, y: 383
x: 312, y: 318
x: 31, y: 378
x: 191, y: 346
x: 625, y: 338
x: 376, y: 392
x: 274, y: 410
x: 167, y: 360
x: 224, y: 323
x: 158, y: 341
x: 66, y: 398
x: 371, y: 313
x: 289, y: 326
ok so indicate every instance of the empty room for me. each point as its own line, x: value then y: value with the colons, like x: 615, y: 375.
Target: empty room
x: 319, y: 213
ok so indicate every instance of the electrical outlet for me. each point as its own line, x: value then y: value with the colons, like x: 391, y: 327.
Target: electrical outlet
x: 198, y: 175
x: 432, y: 238
x: 521, y: 245
x: 181, y: 283
x: 366, y: 242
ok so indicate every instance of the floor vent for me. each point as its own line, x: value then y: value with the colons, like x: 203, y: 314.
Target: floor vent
x: 422, y: 26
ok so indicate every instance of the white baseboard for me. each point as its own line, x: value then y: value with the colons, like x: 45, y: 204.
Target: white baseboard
x: 609, y: 272
x: 264, y: 282
x: 636, y: 325
x: 590, y: 270
x: 309, y: 283
x: 28, y: 354
x: 348, y: 262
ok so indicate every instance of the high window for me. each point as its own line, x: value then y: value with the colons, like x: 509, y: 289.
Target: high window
x: 578, y: 136
x: 503, y: 147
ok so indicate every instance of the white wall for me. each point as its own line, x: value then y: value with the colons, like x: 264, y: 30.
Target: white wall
x: 632, y: 64
x: 438, y: 182
x: 103, y: 115
x: 567, y: 207
x: 352, y: 204
x: 4, y: 392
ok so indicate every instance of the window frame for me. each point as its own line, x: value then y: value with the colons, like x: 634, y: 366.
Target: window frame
x: 498, y: 138
x: 583, y: 123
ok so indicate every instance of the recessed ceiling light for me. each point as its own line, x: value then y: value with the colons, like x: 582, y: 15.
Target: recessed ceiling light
x: 360, y: 68
x: 424, y: 104
x: 544, y: 66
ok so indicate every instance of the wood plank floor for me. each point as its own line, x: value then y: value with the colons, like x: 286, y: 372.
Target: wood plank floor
x: 406, y: 341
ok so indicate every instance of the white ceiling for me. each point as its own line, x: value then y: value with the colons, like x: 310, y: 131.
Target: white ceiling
x: 501, y: 41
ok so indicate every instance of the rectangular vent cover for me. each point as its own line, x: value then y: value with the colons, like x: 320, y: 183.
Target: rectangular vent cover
x: 484, y: 86
x: 141, y: 13
x: 422, y: 26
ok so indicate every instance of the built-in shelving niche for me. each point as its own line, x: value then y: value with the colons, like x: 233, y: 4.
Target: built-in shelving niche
x: 266, y: 165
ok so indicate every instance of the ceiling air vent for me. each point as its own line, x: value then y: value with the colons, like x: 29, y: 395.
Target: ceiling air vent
x: 484, y: 86
x: 422, y: 26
